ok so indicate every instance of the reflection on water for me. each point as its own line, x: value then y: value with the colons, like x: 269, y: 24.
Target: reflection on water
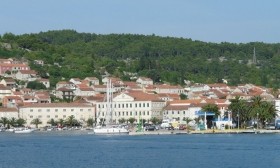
x: 80, y: 150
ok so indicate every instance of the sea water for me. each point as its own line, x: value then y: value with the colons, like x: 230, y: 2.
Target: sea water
x: 81, y: 150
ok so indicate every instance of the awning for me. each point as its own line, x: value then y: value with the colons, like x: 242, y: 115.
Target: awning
x: 203, y: 113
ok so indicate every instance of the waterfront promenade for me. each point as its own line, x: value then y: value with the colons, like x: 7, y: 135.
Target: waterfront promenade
x: 228, y: 131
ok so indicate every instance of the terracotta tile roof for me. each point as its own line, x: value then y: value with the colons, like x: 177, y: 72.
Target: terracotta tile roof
x: 3, y: 87
x: 17, y: 93
x: 10, y: 80
x: 177, y: 107
x: 82, y: 86
x: 100, y: 86
x: 8, y: 110
x: 12, y: 97
x: 28, y: 72
x: 98, y: 97
x: 86, y: 89
x: 165, y: 86
x: 44, y: 105
x: 141, y: 96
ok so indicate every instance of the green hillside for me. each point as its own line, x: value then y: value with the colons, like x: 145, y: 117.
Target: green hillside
x: 68, y: 53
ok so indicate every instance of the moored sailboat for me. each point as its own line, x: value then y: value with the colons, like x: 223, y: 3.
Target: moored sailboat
x: 109, y: 128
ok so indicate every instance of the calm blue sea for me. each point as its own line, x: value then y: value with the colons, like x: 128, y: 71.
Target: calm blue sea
x: 80, y: 150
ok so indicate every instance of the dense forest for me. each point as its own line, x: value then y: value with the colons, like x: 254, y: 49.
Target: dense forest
x: 68, y: 54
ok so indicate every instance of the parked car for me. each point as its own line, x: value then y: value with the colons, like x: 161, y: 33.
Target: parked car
x: 182, y: 127
x: 150, y: 128
x: 270, y: 126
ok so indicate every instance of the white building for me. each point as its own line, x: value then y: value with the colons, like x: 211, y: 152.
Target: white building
x: 142, y: 81
x: 134, y: 104
x: 9, y: 113
x: 56, y: 111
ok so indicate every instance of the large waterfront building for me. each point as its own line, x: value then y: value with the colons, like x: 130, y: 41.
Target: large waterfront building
x: 56, y: 111
x: 132, y: 104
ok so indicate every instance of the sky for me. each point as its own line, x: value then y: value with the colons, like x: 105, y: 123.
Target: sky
x: 235, y: 21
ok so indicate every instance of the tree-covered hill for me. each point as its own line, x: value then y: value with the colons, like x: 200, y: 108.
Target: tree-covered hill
x: 68, y: 53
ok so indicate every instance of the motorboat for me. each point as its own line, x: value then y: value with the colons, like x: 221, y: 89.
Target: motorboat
x: 110, y: 130
x: 23, y: 130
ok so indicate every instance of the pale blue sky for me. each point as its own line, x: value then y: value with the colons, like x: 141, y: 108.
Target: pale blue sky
x: 238, y: 21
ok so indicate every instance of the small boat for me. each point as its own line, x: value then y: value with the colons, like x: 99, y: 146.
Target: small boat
x: 110, y: 130
x: 23, y: 130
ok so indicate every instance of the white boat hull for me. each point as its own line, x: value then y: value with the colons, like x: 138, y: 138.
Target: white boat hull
x: 111, y: 131
x: 26, y: 131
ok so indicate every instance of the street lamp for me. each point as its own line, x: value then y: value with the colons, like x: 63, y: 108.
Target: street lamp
x: 238, y: 120
x: 257, y: 120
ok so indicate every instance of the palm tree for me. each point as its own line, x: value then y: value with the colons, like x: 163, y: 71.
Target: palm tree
x: 240, y: 111
x: 90, y: 122
x: 154, y: 120
x: 60, y: 122
x: 71, y: 120
x: 131, y: 120
x: 211, y: 108
x: 188, y: 120
x: 13, y: 121
x: 36, y: 122
x: 52, y: 122
x: 4, y: 121
x: 21, y: 122
x: 121, y: 120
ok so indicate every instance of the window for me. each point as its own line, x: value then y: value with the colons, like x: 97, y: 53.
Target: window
x: 39, y: 110
x: 56, y: 110
x: 184, y: 112
x: 135, y: 104
x: 126, y: 105
x: 56, y: 116
x: 139, y: 104
x: 119, y: 113
x: 172, y: 112
x: 39, y: 116
x: 72, y: 110
x: 126, y: 113
x: 89, y: 110
x: 143, y: 112
x: 143, y: 104
x: 31, y: 116
x: 48, y: 110
x: 64, y: 110
x: 48, y: 116
x: 131, y: 113
x: 64, y: 116
x: 122, y: 105
x: 81, y: 110
x: 148, y: 113
x: 130, y: 105
x: 31, y: 110
x: 136, y: 113
x: 123, y: 113
x: 178, y: 112
x: 147, y: 104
